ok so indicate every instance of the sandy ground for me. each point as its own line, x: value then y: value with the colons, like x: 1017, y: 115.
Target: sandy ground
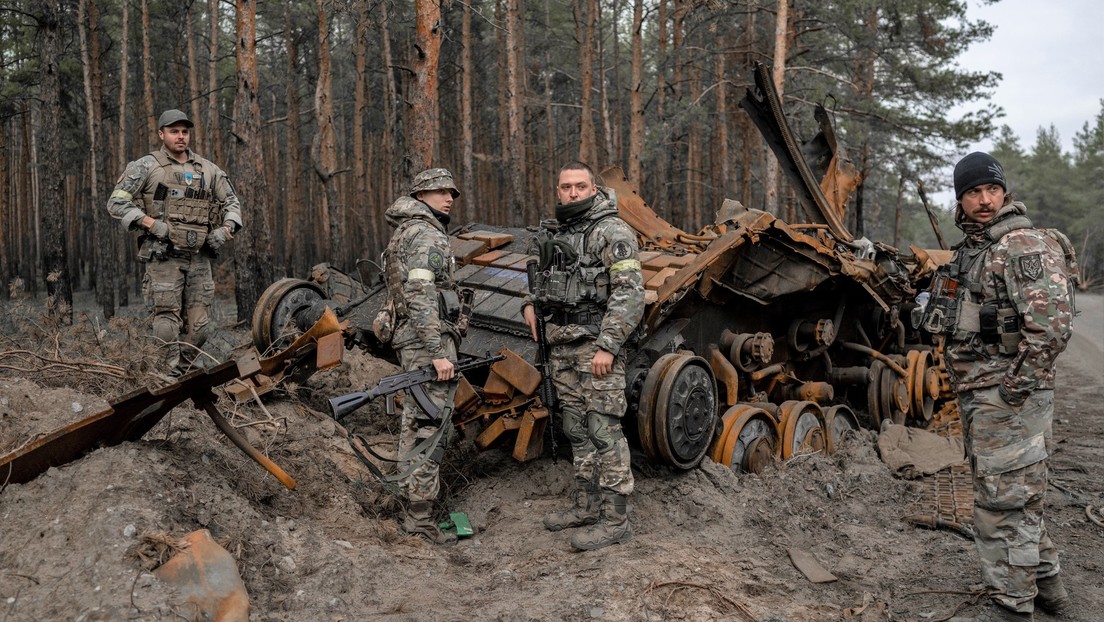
x: 708, y: 544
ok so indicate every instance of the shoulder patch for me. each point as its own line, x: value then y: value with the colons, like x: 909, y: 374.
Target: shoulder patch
x: 1031, y: 266
x: 621, y: 250
x: 436, y: 260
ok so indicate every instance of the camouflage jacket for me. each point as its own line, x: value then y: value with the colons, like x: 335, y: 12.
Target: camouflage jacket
x: 132, y: 198
x: 602, y: 240
x: 419, y: 277
x: 1024, y: 268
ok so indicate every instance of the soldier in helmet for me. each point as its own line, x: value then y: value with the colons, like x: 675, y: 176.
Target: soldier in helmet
x: 591, y: 318
x: 419, y: 275
x: 1005, y: 304
x: 186, y: 210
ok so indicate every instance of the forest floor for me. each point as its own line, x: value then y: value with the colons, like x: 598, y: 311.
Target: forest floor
x: 708, y: 544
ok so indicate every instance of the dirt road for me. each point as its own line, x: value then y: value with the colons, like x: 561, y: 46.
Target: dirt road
x: 708, y: 544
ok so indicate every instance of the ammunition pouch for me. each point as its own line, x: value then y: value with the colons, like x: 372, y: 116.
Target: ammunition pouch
x: 151, y: 248
x: 1000, y: 327
x: 383, y: 326
x: 448, y: 305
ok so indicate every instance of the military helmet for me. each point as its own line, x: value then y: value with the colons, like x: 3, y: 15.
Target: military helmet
x: 433, y: 179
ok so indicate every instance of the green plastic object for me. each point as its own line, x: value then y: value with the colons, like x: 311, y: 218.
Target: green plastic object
x: 458, y: 524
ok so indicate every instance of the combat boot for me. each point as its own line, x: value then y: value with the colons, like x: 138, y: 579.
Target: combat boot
x: 612, y: 529
x: 996, y: 613
x: 419, y: 522
x: 584, y: 510
x: 1052, y: 597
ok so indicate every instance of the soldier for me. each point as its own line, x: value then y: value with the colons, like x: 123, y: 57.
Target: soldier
x: 592, y: 312
x: 186, y: 210
x: 418, y: 272
x: 1005, y: 303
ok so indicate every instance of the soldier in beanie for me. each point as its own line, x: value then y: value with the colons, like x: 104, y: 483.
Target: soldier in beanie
x: 589, y: 322
x: 185, y: 209
x: 418, y: 270
x: 1005, y: 304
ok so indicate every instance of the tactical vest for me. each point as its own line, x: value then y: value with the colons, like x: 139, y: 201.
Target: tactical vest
x: 188, y: 208
x: 956, y: 307
x: 572, y: 282
x: 448, y: 299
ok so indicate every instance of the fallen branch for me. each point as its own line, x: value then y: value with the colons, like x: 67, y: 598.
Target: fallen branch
x: 1091, y: 512
x: 708, y: 588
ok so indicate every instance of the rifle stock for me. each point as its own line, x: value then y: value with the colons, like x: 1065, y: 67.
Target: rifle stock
x: 343, y: 405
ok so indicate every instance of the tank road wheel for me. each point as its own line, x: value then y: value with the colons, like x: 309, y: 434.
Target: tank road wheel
x: 752, y: 440
x: 873, y: 394
x: 894, y: 393
x: 646, y: 407
x: 686, y: 411
x: 273, y: 328
x: 922, y: 376
x: 802, y: 428
x: 838, y: 421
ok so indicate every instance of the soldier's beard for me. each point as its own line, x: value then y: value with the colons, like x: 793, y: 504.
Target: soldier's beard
x: 441, y: 217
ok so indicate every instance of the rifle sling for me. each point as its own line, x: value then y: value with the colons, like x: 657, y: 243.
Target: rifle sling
x: 423, y: 449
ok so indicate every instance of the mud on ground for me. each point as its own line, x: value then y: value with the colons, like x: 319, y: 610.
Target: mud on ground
x: 708, y: 544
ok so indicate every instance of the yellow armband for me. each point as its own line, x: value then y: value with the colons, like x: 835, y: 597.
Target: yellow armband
x: 624, y: 264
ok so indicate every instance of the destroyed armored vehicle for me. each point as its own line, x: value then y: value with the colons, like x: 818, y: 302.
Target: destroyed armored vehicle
x: 761, y: 339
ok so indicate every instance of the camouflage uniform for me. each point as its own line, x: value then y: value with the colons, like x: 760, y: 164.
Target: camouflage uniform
x: 592, y: 407
x: 1005, y: 384
x: 419, y: 275
x: 178, y: 285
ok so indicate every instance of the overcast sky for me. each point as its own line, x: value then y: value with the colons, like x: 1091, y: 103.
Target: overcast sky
x: 1051, y: 57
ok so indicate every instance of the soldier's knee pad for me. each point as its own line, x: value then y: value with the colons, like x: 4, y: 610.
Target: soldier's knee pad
x: 574, y: 424
x: 604, y: 431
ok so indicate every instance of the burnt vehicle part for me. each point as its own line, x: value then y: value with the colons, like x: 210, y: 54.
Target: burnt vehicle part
x: 135, y: 414
x: 761, y: 339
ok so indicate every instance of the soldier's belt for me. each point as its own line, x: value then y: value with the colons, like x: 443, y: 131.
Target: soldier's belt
x: 584, y: 317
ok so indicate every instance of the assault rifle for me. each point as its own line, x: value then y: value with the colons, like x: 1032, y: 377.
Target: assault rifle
x: 413, y: 381
x: 547, y: 388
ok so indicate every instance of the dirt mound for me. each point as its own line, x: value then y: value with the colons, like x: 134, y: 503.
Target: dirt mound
x: 708, y: 544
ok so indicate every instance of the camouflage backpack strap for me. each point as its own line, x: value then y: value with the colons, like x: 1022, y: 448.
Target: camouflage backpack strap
x: 392, y: 271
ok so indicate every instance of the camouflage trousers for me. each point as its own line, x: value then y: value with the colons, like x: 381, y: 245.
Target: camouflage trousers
x: 178, y: 292
x: 592, y: 409
x: 1010, y: 481
x: 423, y: 482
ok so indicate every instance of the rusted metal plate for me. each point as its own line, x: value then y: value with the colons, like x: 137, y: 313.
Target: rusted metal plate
x: 809, y: 566
x: 529, y: 443
x: 487, y: 259
x: 517, y: 372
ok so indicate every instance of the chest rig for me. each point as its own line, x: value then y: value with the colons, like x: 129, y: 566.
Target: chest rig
x: 186, y: 202
x: 572, y: 281
x: 448, y: 298
x: 958, y: 308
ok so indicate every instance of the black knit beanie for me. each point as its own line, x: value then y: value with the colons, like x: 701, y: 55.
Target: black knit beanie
x: 976, y: 169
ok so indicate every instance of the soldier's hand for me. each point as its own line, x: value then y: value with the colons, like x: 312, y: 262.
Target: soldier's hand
x: 159, y: 229
x: 530, y: 316
x: 218, y: 237
x: 602, y: 363
x: 445, y: 370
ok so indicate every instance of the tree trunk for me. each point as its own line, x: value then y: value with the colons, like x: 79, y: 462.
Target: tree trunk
x: 297, y: 217
x: 103, y: 250
x: 722, y: 163
x: 150, y: 128
x: 199, y: 133
x: 425, y: 107
x: 585, y: 19
x: 213, y: 121
x: 392, y: 127
x: 515, y: 166
x: 252, y: 246
x: 659, y: 199
x: 360, y: 110
x: 781, y: 29
x: 324, y: 146
x: 636, y: 98
x: 467, y: 121
x: 52, y: 214
x: 123, y: 265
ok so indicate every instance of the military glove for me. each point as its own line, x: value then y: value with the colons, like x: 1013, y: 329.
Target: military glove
x: 159, y: 229
x: 218, y: 237
x: 1011, y: 398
